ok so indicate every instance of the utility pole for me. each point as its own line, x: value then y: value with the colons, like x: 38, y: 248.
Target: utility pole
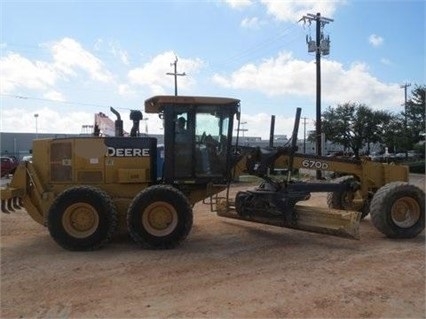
x: 304, y: 134
x: 321, y: 45
x: 175, y: 74
x: 36, y: 117
x: 271, y: 131
x: 242, y: 129
x: 405, y: 86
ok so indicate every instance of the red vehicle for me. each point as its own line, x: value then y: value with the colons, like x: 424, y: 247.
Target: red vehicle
x: 8, y: 165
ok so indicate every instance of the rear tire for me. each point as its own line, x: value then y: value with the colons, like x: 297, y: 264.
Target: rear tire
x: 82, y: 218
x: 348, y: 200
x: 159, y: 217
x: 398, y: 210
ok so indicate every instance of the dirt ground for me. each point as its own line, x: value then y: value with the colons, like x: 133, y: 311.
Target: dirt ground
x: 225, y: 269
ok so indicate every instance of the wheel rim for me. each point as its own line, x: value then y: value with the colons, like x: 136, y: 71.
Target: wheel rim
x: 80, y: 220
x: 405, y: 212
x: 160, y: 219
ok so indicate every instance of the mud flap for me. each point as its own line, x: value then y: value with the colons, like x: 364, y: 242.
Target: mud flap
x: 328, y: 221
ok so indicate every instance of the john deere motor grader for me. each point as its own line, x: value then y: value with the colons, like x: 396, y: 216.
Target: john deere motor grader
x: 84, y: 188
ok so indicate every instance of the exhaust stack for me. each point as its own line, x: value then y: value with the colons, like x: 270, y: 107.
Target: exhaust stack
x: 118, y: 123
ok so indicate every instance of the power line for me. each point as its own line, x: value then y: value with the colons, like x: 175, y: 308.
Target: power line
x: 22, y: 97
x: 273, y: 42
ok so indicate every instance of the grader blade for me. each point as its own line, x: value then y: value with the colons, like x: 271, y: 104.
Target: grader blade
x: 334, y: 222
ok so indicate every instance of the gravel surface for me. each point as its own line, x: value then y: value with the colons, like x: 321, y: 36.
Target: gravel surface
x: 225, y: 269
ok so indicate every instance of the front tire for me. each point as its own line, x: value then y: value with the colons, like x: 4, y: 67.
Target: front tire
x: 159, y: 217
x: 398, y: 210
x: 82, y: 218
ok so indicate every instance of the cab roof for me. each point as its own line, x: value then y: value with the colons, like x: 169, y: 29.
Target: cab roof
x: 155, y: 104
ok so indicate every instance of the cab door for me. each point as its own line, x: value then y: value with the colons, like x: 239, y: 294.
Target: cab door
x: 178, y: 143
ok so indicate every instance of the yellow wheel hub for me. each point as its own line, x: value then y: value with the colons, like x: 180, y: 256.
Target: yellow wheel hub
x: 159, y: 218
x: 405, y: 212
x: 80, y: 220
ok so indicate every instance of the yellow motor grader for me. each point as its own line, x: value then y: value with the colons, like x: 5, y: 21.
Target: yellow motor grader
x: 84, y: 188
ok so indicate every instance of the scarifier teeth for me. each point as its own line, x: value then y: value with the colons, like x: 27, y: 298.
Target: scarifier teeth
x: 10, y: 204
x: 15, y: 203
x: 3, y: 207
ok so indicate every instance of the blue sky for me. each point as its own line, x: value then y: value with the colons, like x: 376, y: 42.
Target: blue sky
x: 67, y: 60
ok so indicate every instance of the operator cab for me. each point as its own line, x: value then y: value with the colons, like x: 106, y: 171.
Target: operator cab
x: 197, y: 137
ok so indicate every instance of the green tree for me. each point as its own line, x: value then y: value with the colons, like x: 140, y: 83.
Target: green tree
x: 354, y: 125
x: 394, y: 134
x: 376, y: 126
x: 415, y: 115
x: 400, y: 137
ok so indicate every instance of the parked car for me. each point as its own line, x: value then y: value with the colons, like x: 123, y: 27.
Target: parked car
x: 388, y: 157
x: 411, y: 155
x: 27, y: 158
x: 8, y: 165
x: 376, y: 157
x: 414, y: 155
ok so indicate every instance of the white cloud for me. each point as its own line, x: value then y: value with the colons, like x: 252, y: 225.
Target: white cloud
x: 293, y: 10
x: 122, y: 55
x: 251, y: 23
x: 238, y: 3
x: 17, y: 71
x: 375, y: 40
x: 126, y: 89
x: 98, y: 45
x: 356, y: 84
x: 54, y: 96
x: 258, y: 125
x: 69, y: 55
x: 49, y: 120
x: 153, y: 73
x: 114, y: 48
x: 272, y: 77
x: 386, y: 61
x: 285, y: 75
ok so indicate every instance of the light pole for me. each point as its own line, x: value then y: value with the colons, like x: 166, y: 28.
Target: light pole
x: 36, y: 117
x: 146, y: 124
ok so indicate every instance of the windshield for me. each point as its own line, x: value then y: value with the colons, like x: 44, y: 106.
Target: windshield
x: 201, y: 136
x: 212, y: 129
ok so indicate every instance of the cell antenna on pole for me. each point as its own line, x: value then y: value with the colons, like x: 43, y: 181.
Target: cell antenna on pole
x: 321, y: 46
